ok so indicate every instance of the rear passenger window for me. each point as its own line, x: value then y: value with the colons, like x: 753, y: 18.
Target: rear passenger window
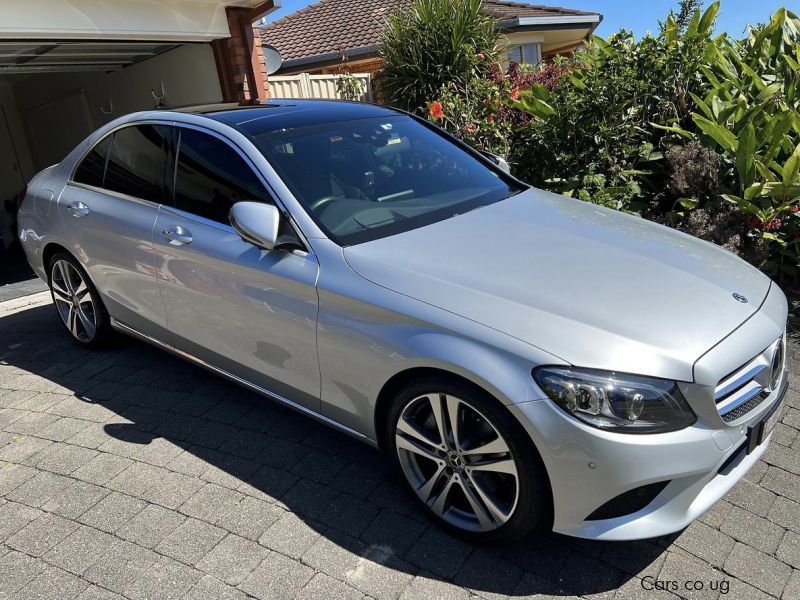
x: 137, y: 163
x: 211, y: 177
x: 93, y: 166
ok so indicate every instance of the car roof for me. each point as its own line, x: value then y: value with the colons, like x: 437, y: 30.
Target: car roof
x: 289, y: 113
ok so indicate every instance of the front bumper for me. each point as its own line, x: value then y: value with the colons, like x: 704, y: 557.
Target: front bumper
x: 589, y: 467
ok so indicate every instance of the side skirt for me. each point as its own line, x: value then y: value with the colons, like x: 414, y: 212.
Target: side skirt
x: 119, y: 326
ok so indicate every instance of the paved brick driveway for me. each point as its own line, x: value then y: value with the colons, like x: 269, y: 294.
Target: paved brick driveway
x: 129, y: 473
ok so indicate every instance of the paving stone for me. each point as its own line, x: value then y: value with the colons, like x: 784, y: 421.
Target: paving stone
x: 430, y: 588
x: 335, y: 554
x: 792, y: 591
x: 209, y: 588
x: 62, y: 429
x: 75, y: 500
x: 22, y: 447
x: 783, y: 458
x: 53, y: 584
x: 151, y: 526
x: 158, y: 452
x: 394, y: 530
x: 246, y: 443
x: 380, y: 574
x: 15, y: 516
x: 92, y: 436
x: 789, y: 550
x: 782, y: 483
x: 323, y: 587
x: 173, y: 490
x: 289, y: 535
x: 191, y: 541
x: 715, y: 516
x: 64, y: 459
x: 40, y: 535
x: 112, y: 512
x: 166, y: 579
x: 268, y: 483
x: 758, y: 569
x: 12, y: 476
x: 276, y: 578
x: 438, y: 552
x: 17, y: 570
x: 706, y: 543
x: 756, y: 472
x: 534, y: 587
x: 120, y: 566
x: 786, y: 513
x: 227, y: 470
x: 80, y: 549
x: 319, y: 466
x: 309, y: 498
x: 751, y: 497
x: 683, y: 568
x: 210, y: 503
x: 281, y: 454
x: 638, y: 558
x: 232, y: 559
x: 137, y: 479
x: 188, y: 463
x: 754, y: 531
x: 39, y: 489
x: 102, y: 468
x: 94, y: 592
x: 250, y: 518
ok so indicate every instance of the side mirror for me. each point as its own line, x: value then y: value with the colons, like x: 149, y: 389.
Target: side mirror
x: 498, y: 160
x: 257, y: 223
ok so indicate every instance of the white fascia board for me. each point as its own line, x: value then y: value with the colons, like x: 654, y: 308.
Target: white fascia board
x: 577, y: 20
x: 167, y: 20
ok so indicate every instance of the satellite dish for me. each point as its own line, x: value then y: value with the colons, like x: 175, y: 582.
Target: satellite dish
x: 272, y: 58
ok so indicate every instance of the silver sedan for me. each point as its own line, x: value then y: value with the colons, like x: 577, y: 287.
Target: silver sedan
x: 526, y: 360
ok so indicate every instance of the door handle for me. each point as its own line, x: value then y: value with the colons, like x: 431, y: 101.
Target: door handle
x: 78, y: 209
x: 177, y: 235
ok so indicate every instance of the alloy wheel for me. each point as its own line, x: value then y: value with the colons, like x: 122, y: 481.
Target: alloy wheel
x: 457, y: 462
x: 73, y: 299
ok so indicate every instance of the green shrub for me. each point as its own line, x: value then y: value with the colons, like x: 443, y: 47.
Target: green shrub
x: 432, y: 44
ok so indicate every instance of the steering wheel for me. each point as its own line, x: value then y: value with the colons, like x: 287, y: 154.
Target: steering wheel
x: 324, y: 201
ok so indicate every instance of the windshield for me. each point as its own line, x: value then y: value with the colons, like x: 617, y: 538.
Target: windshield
x: 369, y: 178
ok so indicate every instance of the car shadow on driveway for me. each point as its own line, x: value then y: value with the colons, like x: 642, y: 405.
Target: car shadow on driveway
x: 146, y: 405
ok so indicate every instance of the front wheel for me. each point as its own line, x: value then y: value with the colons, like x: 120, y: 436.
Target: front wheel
x: 467, y: 461
x: 78, y: 304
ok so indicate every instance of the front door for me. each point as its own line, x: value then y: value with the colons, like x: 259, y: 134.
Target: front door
x: 249, y: 312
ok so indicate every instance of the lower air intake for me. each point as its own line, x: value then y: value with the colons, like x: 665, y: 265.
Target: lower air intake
x: 628, y: 503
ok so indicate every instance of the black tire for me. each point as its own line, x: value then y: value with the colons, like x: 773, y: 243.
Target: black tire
x: 102, y: 327
x: 533, y: 507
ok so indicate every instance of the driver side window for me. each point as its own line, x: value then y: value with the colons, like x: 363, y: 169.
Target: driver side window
x: 211, y: 177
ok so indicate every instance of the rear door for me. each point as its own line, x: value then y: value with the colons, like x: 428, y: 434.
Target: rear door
x: 247, y: 311
x: 109, y: 209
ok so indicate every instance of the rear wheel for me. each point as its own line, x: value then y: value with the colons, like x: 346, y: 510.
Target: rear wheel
x: 467, y: 461
x: 77, y: 302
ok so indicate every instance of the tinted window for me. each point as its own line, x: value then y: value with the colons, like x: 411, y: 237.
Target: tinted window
x: 364, y: 179
x: 93, y: 165
x: 137, y: 163
x: 212, y: 177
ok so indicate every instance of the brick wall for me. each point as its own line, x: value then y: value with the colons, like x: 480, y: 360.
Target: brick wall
x: 240, y: 60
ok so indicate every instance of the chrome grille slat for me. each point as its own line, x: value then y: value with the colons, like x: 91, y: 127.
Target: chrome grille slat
x: 746, y: 388
x: 739, y: 379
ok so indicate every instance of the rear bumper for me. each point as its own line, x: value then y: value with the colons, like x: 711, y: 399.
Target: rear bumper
x: 589, y: 467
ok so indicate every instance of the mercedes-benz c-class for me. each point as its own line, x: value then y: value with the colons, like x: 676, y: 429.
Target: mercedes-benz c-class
x: 524, y: 358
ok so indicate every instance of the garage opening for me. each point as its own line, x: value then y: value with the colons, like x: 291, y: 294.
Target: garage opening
x: 55, y: 93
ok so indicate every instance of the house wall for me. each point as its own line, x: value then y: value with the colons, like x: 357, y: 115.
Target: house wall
x: 189, y: 75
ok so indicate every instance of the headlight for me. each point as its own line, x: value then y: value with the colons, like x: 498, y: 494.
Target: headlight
x: 616, y: 401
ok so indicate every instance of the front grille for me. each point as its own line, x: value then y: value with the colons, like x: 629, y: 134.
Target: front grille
x: 628, y: 502
x: 744, y: 389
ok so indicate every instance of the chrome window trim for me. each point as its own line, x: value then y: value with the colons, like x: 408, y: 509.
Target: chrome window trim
x: 235, y: 378
x: 112, y: 193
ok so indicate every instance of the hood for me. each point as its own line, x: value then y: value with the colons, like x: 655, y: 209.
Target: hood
x: 593, y: 286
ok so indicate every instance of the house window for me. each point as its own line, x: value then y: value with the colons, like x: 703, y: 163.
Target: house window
x: 526, y: 54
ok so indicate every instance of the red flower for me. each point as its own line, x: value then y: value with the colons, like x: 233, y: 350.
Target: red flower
x: 794, y: 209
x: 490, y: 119
x: 436, y: 111
x: 480, y: 56
x: 515, y: 94
x: 472, y: 128
x: 753, y: 223
x: 773, y: 225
